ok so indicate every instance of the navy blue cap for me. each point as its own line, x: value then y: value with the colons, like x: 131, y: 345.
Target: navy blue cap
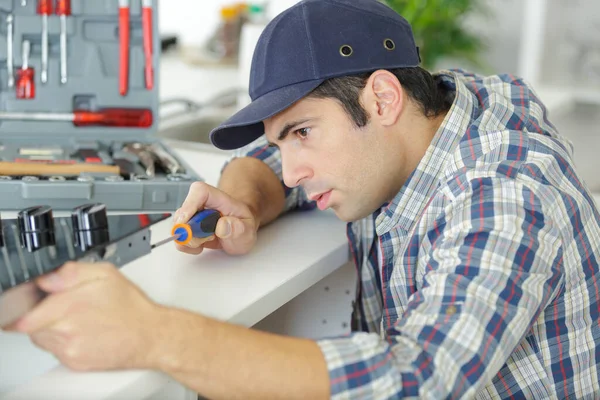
x: 309, y: 43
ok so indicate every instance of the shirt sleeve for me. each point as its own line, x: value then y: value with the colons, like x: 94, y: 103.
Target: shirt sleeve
x: 493, y: 263
x: 295, y: 198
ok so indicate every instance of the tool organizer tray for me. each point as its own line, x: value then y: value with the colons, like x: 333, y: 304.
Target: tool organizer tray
x: 53, y: 87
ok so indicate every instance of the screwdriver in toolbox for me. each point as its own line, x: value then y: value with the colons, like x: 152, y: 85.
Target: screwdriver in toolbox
x: 147, y: 28
x: 44, y: 8
x: 9, y: 50
x: 25, y: 85
x: 123, y: 117
x: 63, y: 8
x: 203, y: 224
x: 123, y: 46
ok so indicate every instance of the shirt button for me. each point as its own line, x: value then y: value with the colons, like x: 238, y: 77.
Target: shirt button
x: 451, y: 310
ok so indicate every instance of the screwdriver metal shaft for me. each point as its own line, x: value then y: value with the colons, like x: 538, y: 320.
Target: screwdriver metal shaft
x: 9, y: 50
x: 167, y: 240
x: 44, y: 9
x: 63, y: 8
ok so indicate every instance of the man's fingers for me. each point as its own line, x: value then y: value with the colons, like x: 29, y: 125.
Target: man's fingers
x: 72, y: 274
x: 202, y: 196
x: 229, y: 227
x: 50, y: 310
x: 197, y: 245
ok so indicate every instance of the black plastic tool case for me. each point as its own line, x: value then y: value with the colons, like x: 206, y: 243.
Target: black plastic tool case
x: 93, y: 57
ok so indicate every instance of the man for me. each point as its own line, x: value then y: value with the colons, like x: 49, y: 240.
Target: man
x: 476, y: 243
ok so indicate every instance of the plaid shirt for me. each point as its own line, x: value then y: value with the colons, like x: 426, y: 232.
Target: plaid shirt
x: 480, y: 278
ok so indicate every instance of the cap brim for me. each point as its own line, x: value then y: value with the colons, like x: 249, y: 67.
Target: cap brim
x: 246, y: 125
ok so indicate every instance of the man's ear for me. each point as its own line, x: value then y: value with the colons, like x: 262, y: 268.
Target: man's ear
x: 384, y: 97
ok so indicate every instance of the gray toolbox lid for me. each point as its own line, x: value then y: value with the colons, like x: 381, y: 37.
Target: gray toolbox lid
x: 93, y: 68
x: 93, y: 58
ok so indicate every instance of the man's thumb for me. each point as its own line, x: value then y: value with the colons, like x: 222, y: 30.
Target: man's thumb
x: 229, y: 227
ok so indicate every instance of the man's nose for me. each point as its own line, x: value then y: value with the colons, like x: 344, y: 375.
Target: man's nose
x: 294, y: 170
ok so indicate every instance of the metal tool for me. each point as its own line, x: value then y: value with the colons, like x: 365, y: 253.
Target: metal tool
x: 177, y: 177
x: 44, y: 8
x: 203, y: 224
x: 25, y: 76
x: 9, y: 50
x: 167, y: 161
x: 123, y: 117
x: 63, y: 8
x: 147, y: 28
x: 43, y: 160
x: 124, y: 46
x: 41, y: 151
x: 114, y: 178
x: 145, y: 157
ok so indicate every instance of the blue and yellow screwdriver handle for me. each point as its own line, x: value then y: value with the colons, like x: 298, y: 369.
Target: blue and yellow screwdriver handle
x: 202, y: 224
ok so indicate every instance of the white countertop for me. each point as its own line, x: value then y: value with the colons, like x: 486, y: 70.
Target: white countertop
x: 288, y: 259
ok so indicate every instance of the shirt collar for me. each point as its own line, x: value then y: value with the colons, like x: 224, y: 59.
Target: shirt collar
x: 408, y: 205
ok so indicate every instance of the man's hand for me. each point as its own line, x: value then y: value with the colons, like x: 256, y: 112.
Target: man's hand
x: 93, y: 319
x: 236, y: 230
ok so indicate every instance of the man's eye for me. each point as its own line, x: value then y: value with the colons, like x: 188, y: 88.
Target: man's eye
x: 303, y: 132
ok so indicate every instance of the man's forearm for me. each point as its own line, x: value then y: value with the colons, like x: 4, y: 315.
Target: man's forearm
x: 251, y: 181
x: 225, y: 361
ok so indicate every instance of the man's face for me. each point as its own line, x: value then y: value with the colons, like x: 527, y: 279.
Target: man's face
x: 340, y: 166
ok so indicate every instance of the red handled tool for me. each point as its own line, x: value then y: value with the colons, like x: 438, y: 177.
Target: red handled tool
x: 147, y: 28
x: 119, y: 117
x: 123, y: 46
x: 203, y: 224
x: 44, y: 8
x: 63, y: 8
x: 25, y: 85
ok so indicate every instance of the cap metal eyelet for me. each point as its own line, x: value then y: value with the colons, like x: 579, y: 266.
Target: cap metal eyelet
x: 389, y: 44
x: 346, y: 50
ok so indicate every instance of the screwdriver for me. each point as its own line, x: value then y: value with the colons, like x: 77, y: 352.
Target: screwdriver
x: 9, y: 49
x: 147, y: 28
x: 63, y: 8
x: 125, y: 117
x: 25, y: 86
x: 124, y: 46
x: 203, y: 224
x: 44, y: 8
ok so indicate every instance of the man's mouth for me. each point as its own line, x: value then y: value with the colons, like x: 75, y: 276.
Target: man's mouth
x: 322, y: 199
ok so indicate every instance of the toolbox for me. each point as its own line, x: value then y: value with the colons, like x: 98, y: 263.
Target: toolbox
x: 79, y: 107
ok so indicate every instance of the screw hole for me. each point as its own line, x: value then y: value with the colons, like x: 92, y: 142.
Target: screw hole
x: 327, y: 288
x: 344, y: 325
x: 129, y: 244
x: 144, y: 238
x: 347, y: 292
x: 324, y: 321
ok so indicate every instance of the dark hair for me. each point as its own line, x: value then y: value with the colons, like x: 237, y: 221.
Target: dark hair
x: 425, y: 89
